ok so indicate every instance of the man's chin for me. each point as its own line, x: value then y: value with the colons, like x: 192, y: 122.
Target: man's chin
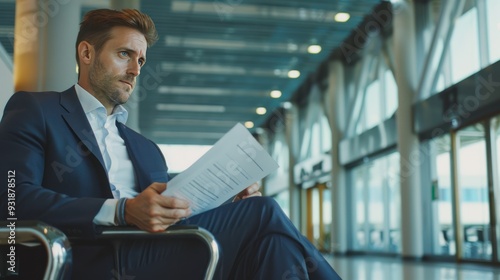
x: 124, y: 97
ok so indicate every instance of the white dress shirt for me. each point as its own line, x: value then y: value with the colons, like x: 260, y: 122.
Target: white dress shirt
x: 113, y: 150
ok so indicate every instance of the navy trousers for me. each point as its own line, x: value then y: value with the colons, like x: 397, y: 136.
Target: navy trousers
x: 256, y: 239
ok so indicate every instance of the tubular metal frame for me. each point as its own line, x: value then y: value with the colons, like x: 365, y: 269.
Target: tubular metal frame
x: 55, y: 241
x: 58, y: 245
x: 174, y: 231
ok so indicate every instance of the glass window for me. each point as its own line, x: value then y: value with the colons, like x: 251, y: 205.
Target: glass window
x: 391, y: 94
x: 380, y: 95
x: 394, y: 202
x: 359, y: 207
x: 326, y: 135
x: 464, y: 46
x: 373, y: 114
x: 327, y: 219
x: 473, y: 184
x: 315, y: 140
x: 318, y: 215
x: 304, y: 146
x: 377, y: 205
x: 493, y: 8
x: 444, y: 230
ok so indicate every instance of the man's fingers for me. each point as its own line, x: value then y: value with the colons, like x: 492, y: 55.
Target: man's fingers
x: 173, y: 202
x: 254, y: 187
x: 257, y: 193
x: 159, y: 187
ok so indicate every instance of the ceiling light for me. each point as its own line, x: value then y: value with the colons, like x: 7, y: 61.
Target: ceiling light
x: 292, y: 47
x: 314, y: 49
x: 342, y: 17
x: 293, y: 74
x: 287, y: 105
x: 191, y: 108
x: 275, y: 94
x: 261, y: 111
x: 249, y: 124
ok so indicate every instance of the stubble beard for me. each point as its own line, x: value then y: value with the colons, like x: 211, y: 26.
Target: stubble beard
x: 103, y: 85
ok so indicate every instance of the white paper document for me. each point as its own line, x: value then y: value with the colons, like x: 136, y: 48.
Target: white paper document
x: 235, y: 162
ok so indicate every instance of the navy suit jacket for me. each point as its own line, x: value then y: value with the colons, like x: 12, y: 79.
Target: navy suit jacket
x: 60, y: 177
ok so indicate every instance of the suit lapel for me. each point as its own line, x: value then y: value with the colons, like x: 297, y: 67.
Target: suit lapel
x: 75, y: 117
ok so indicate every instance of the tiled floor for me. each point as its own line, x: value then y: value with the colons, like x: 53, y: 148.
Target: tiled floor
x: 390, y: 268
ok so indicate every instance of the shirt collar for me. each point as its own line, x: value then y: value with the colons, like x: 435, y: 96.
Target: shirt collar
x: 91, y: 104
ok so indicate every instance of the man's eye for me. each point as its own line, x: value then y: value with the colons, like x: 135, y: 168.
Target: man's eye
x: 141, y: 62
x: 124, y: 53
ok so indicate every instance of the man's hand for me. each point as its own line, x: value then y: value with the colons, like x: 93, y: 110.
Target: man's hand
x: 250, y: 191
x: 153, y: 212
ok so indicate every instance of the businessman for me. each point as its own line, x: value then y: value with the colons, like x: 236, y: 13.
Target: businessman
x: 77, y: 165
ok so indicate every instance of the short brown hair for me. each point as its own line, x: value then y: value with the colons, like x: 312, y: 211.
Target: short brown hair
x: 96, y: 26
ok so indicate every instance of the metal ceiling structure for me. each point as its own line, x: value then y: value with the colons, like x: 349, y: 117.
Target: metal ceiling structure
x: 217, y: 61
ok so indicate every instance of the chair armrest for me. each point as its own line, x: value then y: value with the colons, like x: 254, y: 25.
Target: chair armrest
x: 115, y: 232
x: 59, y: 257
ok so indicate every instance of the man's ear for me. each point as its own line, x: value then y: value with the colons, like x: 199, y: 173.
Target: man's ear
x: 85, y: 52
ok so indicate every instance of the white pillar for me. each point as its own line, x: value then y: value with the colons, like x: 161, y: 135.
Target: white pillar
x: 44, y: 56
x: 291, y: 132
x: 408, y: 144
x: 336, y: 119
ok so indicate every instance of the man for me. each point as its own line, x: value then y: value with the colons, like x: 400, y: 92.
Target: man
x: 77, y: 166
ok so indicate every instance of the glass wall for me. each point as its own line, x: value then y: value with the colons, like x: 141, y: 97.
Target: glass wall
x: 442, y: 197
x: 474, y: 43
x: 472, y: 182
x: 377, y: 98
x: 462, y: 208
x: 358, y: 179
x: 319, y: 216
x: 315, y: 133
x: 376, y: 205
x: 464, y: 47
x: 493, y: 27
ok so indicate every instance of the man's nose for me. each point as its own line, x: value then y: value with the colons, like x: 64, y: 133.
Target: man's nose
x: 134, y: 68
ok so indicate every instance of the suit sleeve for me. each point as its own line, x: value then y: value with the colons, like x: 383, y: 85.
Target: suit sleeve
x: 22, y: 142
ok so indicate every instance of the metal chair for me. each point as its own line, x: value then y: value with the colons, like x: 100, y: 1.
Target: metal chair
x: 58, y: 248
x: 115, y: 234
x: 59, y: 258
